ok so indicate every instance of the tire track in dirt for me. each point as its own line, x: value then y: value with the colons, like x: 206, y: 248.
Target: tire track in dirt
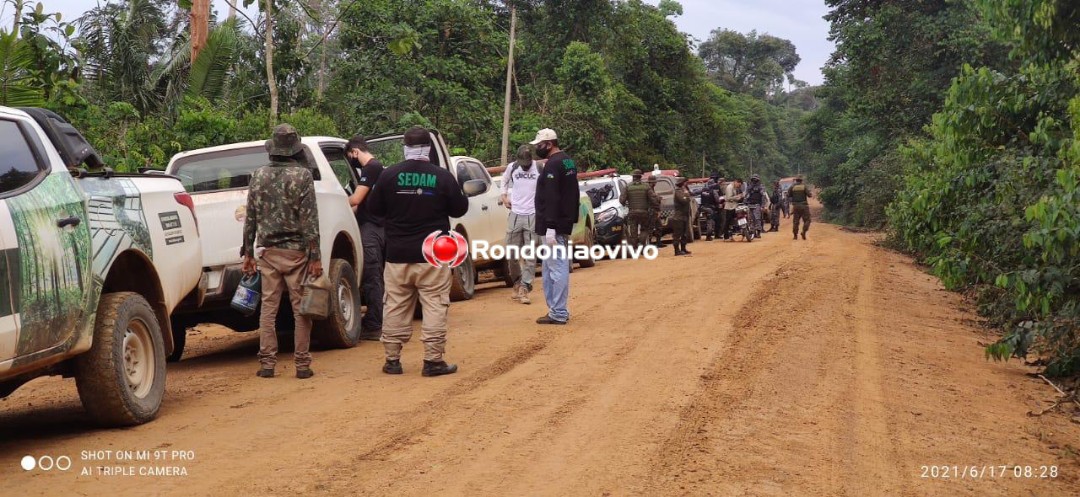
x: 719, y: 427
x: 548, y: 435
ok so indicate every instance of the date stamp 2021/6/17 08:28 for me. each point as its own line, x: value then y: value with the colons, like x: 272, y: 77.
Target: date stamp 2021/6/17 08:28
x: 980, y: 471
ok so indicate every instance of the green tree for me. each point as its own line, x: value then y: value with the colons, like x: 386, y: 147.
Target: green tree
x: 750, y: 63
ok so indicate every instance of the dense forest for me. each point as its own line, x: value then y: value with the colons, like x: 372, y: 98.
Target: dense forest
x: 617, y: 79
x: 954, y: 125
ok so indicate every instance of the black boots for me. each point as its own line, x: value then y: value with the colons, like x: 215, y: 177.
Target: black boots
x: 438, y: 368
x: 392, y: 367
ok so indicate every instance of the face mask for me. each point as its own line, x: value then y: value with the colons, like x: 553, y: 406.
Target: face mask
x: 418, y: 152
x: 543, y: 152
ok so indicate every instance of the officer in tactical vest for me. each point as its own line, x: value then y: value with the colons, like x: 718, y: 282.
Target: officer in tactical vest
x: 775, y: 206
x: 638, y: 197
x: 680, y: 217
x: 654, y: 216
x: 800, y: 207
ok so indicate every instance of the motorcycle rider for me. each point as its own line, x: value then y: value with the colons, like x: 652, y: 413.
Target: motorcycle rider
x: 638, y: 197
x: 756, y: 198
x: 710, y: 207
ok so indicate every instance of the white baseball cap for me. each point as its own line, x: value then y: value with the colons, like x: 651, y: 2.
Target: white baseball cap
x: 544, y: 135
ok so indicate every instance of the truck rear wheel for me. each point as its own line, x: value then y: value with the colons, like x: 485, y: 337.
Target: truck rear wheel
x: 341, y: 329
x: 121, y: 380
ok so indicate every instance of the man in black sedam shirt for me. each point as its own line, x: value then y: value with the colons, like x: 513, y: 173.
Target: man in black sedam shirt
x: 416, y: 198
x: 557, y: 201
x: 372, y: 236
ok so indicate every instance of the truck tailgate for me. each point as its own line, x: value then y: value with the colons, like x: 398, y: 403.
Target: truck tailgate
x: 221, y: 215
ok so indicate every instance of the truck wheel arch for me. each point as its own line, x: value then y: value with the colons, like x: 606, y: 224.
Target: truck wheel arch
x: 147, y: 284
x: 345, y: 248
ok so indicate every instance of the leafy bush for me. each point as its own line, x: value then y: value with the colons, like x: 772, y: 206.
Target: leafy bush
x: 992, y: 199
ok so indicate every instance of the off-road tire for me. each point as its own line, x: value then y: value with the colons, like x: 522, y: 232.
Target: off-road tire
x: 503, y: 273
x: 590, y: 240
x: 463, y: 280
x: 179, y: 334
x: 127, y: 343
x: 341, y: 329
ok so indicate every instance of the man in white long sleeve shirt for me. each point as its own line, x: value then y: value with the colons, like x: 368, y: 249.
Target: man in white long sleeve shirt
x: 519, y: 195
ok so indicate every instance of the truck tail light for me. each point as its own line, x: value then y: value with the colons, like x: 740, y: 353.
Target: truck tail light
x: 184, y: 199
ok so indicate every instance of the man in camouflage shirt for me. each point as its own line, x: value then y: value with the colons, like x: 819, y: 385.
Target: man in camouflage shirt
x: 281, y: 208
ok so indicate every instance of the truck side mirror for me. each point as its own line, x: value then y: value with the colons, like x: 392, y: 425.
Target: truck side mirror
x: 474, y: 187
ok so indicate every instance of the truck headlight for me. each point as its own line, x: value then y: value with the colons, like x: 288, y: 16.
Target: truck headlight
x: 607, y: 215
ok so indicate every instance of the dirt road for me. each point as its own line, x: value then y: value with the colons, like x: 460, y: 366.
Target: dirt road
x: 825, y: 367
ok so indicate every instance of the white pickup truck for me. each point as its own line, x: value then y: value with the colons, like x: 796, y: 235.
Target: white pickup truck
x: 91, y: 266
x: 217, y: 179
x: 486, y: 218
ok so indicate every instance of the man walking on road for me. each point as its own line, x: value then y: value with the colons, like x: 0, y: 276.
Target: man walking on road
x: 556, y: 212
x: 680, y: 217
x: 756, y: 199
x: 638, y: 197
x: 774, y: 211
x: 416, y: 198
x: 282, y: 212
x: 519, y: 195
x: 372, y: 236
x: 800, y: 207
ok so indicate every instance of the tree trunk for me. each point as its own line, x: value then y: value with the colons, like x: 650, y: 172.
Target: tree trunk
x: 200, y: 26
x: 18, y: 16
x: 317, y: 6
x: 270, y: 80
x: 509, y: 83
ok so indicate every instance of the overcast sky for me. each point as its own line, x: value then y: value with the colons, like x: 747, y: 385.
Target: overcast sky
x: 797, y: 20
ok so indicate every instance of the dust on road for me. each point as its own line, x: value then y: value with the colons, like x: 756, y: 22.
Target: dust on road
x: 825, y: 367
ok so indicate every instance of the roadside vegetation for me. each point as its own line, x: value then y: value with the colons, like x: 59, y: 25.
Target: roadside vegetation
x: 956, y: 125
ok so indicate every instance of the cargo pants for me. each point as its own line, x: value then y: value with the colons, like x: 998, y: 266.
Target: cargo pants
x: 800, y: 212
x: 637, y: 224
x: 519, y: 233
x: 405, y: 285
x: 283, y: 271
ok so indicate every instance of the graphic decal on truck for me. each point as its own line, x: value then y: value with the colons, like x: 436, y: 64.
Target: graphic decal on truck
x: 51, y: 287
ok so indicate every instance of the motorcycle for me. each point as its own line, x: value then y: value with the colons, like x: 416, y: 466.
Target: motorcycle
x: 742, y: 222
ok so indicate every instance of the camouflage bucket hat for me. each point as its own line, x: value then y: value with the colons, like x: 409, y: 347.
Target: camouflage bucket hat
x: 636, y: 172
x: 285, y: 142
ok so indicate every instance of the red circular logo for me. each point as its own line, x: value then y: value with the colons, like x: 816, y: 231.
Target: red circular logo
x: 445, y: 249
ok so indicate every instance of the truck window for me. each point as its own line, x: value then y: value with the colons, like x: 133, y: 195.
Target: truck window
x: 391, y: 150
x: 664, y: 188
x: 18, y: 164
x: 226, y: 169
x: 469, y: 170
x: 336, y: 156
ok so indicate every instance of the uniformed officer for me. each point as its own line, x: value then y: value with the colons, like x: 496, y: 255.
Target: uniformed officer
x: 775, y: 206
x: 654, y: 232
x: 638, y: 197
x: 680, y: 217
x: 282, y: 211
x: 800, y: 207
